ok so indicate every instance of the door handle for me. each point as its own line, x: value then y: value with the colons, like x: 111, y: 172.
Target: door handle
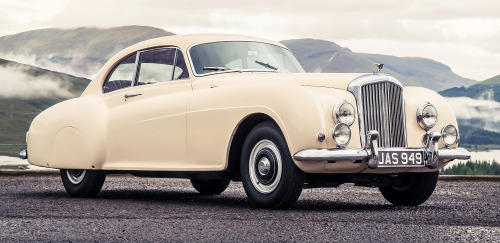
x: 131, y: 95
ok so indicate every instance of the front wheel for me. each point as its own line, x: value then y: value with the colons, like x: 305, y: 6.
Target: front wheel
x: 269, y: 175
x: 82, y: 183
x: 410, y: 189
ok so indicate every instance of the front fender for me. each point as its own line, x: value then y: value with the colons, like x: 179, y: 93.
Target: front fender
x: 416, y: 96
x: 214, y: 114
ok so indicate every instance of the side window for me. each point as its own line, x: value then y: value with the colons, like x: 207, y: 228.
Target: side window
x: 121, y: 76
x: 180, y: 71
x: 156, y: 66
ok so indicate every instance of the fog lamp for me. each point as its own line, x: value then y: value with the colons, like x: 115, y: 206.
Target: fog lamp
x: 449, y: 133
x: 341, y: 134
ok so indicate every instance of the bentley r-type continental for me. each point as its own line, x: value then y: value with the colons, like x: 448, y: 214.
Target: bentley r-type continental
x: 221, y: 108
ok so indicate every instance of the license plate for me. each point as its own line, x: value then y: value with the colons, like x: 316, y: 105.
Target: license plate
x: 388, y: 158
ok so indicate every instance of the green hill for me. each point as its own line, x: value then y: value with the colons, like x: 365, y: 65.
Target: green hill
x: 472, y: 135
x: 17, y: 112
x: 487, y: 89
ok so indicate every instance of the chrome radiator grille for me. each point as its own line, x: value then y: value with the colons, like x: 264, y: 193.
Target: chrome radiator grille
x: 382, y: 110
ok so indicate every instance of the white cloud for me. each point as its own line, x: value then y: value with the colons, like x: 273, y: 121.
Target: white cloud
x: 16, y: 84
x: 468, y: 108
x: 463, y: 34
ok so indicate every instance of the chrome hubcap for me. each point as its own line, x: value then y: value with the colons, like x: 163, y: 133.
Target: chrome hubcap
x: 76, y: 176
x: 265, y: 166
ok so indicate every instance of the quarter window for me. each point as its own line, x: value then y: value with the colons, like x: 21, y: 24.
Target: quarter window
x: 121, y: 76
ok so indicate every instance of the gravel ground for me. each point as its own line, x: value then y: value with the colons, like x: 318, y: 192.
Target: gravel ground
x: 36, y: 208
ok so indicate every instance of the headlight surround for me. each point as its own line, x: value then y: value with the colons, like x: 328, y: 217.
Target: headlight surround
x: 344, y: 112
x: 341, y: 134
x: 449, y: 134
x: 427, y: 116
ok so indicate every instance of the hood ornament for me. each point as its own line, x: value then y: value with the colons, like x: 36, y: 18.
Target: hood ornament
x: 379, y: 67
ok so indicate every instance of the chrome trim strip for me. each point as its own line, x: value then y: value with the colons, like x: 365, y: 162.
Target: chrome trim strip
x: 136, y: 70
x: 456, y: 153
x: 175, y: 64
x: 320, y: 155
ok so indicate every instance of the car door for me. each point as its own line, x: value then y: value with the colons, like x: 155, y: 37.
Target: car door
x: 147, y: 120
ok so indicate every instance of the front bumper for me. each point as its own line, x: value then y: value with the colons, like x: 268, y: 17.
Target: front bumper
x: 432, y: 154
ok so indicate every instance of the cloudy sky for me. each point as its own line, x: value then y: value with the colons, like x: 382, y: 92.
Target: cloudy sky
x: 462, y: 34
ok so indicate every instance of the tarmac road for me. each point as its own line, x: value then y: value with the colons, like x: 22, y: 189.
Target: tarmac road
x: 36, y: 208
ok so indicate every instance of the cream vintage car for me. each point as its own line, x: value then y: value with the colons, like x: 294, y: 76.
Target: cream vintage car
x: 216, y: 108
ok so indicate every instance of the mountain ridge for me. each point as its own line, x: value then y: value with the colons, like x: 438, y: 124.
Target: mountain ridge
x: 78, y: 51
x: 326, y: 56
x: 82, y: 51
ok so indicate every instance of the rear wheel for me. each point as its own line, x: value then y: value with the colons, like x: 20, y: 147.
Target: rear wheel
x: 82, y: 183
x: 269, y: 175
x: 410, y: 189
x: 210, y: 187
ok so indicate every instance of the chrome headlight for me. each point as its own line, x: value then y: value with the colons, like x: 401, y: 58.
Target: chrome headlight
x: 427, y: 116
x: 344, y: 112
x: 449, y: 135
x: 341, y: 134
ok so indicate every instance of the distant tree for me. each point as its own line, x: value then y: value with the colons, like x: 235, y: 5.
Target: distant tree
x: 474, y: 168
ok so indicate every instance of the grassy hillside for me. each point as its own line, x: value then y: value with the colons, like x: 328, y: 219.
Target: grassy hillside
x: 325, y: 56
x: 472, y: 135
x: 487, y: 89
x: 16, y: 113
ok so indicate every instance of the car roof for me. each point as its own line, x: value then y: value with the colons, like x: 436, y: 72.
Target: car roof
x: 185, y: 41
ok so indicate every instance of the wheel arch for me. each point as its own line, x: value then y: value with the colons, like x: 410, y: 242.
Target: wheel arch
x: 239, y: 135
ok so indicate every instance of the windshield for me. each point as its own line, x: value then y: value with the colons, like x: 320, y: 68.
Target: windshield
x: 242, y: 56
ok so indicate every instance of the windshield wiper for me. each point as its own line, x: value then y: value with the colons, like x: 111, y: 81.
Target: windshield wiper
x: 221, y: 69
x: 267, y: 65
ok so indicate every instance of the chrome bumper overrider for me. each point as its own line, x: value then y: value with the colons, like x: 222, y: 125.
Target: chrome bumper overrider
x: 23, y: 154
x: 432, y: 153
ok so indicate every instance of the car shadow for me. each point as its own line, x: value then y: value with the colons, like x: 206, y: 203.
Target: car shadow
x: 346, y: 206
x: 176, y: 197
x: 227, y: 200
